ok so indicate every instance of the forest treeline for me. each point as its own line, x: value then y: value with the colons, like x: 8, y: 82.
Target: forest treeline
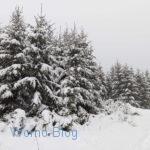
x: 40, y: 69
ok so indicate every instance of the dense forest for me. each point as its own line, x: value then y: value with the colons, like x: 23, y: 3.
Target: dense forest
x: 43, y: 70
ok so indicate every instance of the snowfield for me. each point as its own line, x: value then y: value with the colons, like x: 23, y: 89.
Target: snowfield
x: 102, y: 132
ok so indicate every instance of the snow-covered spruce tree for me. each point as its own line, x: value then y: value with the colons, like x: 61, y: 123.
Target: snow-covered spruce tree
x: 147, y: 76
x: 102, y: 83
x: 121, y: 84
x: 113, y: 81
x: 12, y: 43
x: 41, y: 72
x: 129, y: 86
x: 80, y: 90
x: 143, y: 87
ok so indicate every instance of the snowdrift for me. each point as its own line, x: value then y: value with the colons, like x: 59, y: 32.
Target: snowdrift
x: 117, y: 131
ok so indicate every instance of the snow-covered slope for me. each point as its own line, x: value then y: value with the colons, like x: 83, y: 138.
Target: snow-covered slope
x: 100, y: 133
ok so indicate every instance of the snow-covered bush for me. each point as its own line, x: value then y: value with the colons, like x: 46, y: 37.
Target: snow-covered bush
x: 64, y: 122
x: 83, y: 116
x: 16, y: 120
x: 46, y: 119
x: 111, y: 106
x: 119, y: 110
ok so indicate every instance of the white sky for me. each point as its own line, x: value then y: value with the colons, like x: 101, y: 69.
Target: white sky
x: 118, y: 29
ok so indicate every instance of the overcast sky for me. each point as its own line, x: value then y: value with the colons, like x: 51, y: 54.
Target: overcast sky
x: 119, y: 29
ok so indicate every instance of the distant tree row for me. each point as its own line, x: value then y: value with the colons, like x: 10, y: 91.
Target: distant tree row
x: 127, y: 85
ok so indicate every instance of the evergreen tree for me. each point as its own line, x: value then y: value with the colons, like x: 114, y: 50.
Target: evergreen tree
x: 121, y: 84
x: 113, y: 81
x: 12, y: 43
x: 143, y: 87
x: 80, y: 88
x: 129, y: 88
x: 102, y: 83
x: 147, y: 76
x: 39, y: 57
x: 27, y: 75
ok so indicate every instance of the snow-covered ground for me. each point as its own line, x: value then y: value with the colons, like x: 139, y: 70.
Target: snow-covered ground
x: 100, y: 133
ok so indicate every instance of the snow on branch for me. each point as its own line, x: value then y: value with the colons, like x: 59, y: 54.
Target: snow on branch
x: 27, y: 80
x: 5, y: 56
x: 5, y: 91
x: 46, y: 68
x: 10, y: 70
x: 36, y: 98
